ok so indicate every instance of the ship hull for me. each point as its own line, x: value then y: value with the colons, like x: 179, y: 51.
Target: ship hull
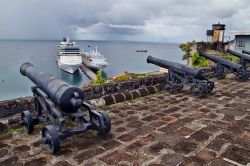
x: 68, y: 68
x: 97, y: 66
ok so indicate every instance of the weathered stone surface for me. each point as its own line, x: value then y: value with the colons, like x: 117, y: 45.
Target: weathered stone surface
x: 111, y: 144
x: 93, y: 92
x: 62, y: 163
x: 3, y: 152
x: 117, y: 156
x: 126, y: 137
x: 35, y: 162
x: 158, y: 130
x: 172, y: 127
x: 3, y: 127
x: 157, y: 147
x: 169, y: 139
x: 172, y: 159
x: 200, y: 136
x: 2, y: 145
x: 134, y: 147
x: 185, y: 147
x: 193, y: 161
x: 143, y: 92
x: 184, y: 131
x: 220, y: 162
x: 109, y: 100
x: 12, y: 107
x: 88, y: 154
x: 237, y: 154
x: 142, y: 130
x: 12, y: 161
x: 217, y: 144
x: 206, y: 154
x: 119, y: 97
x: 22, y: 151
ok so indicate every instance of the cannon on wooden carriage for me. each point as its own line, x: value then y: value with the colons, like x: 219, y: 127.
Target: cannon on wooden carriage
x: 180, y: 75
x: 224, y: 66
x: 54, y: 101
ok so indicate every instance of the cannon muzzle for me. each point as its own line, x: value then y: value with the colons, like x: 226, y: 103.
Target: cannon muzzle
x: 239, y: 55
x: 68, y: 98
x: 175, y: 66
x: 246, y: 52
x: 224, y: 62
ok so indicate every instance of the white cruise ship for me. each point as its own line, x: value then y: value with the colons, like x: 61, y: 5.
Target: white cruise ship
x: 69, y: 56
x: 93, y: 59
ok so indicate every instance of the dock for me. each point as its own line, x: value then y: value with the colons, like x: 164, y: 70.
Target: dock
x: 89, y: 73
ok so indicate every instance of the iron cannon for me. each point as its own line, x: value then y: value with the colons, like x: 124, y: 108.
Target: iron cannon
x: 225, y: 66
x: 246, y: 52
x: 179, y: 75
x: 244, y: 59
x: 54, y: 100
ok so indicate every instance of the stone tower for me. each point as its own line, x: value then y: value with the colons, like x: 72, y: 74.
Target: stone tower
x: 217, y: 34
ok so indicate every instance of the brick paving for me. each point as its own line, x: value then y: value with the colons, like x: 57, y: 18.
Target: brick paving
x: 155, y: 130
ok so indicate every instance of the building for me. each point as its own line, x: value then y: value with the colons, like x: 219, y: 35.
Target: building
x: 216, y: 36
x: 241, y: 41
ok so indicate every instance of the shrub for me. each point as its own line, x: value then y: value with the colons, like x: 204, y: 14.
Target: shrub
x: 198, y: 61
x: 128, y: 76
x: 99, y: 78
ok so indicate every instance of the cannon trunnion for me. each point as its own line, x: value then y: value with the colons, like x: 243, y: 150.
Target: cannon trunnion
x: 55, y: 99
x: 179, y: 75
x: 225, y: 66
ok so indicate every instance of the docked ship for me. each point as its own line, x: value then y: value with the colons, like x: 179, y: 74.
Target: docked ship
x: 93, y: 59
x: 69, y: 56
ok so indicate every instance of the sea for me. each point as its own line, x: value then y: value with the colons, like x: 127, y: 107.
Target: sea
x: 121, y: 57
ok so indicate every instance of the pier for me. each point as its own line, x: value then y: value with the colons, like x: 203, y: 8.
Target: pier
x: 89, y: 73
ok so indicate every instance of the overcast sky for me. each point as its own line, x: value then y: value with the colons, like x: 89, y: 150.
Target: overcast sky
x: 137, y: 20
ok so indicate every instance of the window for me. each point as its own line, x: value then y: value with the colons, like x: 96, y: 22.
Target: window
x: 241, y: 43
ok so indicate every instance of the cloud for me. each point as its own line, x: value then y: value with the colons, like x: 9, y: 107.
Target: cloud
x: 145, y: 20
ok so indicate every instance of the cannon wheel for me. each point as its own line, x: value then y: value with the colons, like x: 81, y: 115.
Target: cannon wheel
x: 27, y: 121
x: 170, y: 88
x: 180, y: 87
x: 104, y: 129
x: 51, y: 139
x: 220, y: 74
x: 241, y: 77
x: 210, y: 86
x: 196, y: 90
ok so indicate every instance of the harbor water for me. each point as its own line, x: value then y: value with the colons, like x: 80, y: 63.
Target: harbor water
x: 121, y: 57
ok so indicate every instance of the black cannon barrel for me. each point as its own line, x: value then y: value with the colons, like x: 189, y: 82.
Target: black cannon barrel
x: 246, y: 52
x: 68, y: 98
x: 239, y: 55
x: 222, y: 61
x: 174, y: 66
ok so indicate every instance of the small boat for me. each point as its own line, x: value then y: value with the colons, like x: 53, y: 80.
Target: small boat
x: 93, y: 59
x: 69, y: 56
x: 141, y: 50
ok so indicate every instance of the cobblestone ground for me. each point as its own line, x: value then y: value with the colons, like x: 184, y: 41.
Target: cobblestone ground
x: 155, y: 130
